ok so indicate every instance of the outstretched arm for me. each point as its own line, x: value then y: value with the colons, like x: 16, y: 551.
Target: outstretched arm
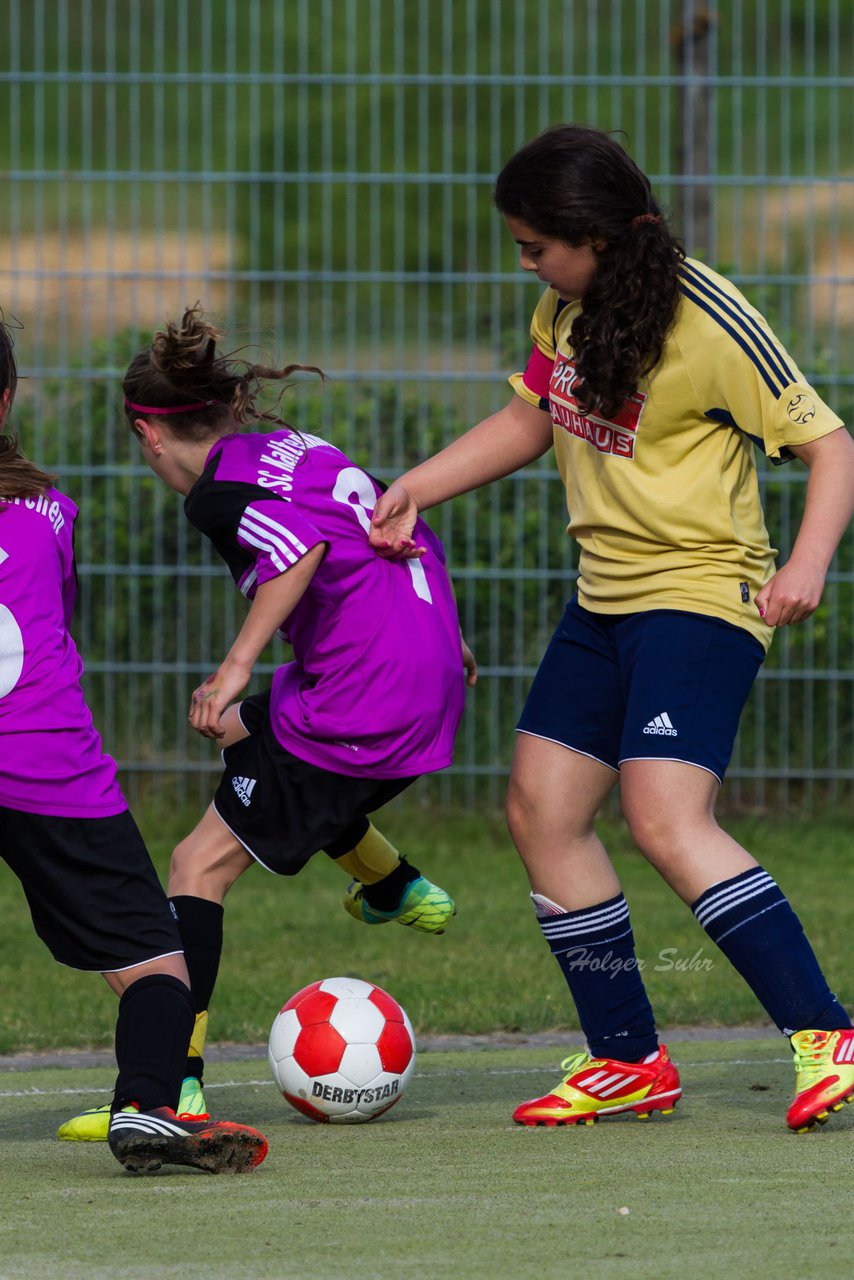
x: 795, y: 590
x: 274, y: 601
x: 496, y: 447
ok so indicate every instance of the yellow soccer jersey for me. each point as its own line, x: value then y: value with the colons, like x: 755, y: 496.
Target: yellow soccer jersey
x: 663, y: 499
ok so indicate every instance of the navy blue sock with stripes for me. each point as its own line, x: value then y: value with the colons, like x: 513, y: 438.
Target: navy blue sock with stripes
x: 595, y: 949
x: 750, y: 919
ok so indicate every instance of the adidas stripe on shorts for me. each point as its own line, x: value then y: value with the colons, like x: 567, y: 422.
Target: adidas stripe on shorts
x: 659, y: 685
x: 283, y: 809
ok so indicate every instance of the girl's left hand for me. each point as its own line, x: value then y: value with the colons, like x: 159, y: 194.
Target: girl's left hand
x: 791, y: 595
x: 212, y: 697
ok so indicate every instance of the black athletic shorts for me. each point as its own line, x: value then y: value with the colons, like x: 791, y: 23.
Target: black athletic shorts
x: 93, y: 893
x: 283, y: 809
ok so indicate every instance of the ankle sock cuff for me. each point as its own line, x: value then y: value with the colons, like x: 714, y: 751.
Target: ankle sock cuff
x: 590, y: 927
x: 733, y: 903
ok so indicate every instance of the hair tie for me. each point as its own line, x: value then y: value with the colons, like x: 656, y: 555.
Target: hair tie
x: 645, y: 217
x: 178, y: 408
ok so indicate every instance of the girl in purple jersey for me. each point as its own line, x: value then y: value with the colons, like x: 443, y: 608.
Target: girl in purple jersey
x: 66, y: 832
x: 375, y: 692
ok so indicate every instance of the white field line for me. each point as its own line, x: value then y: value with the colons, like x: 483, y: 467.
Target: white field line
x: 418, y: 1075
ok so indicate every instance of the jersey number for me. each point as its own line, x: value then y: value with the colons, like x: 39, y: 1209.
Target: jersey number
x: 11, y: 646
x: 354, y: 489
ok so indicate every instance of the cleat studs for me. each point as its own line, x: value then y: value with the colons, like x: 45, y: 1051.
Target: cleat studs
x: 838, y: 1106
x: 642, y: 1115
x: 667, y: 1111
x: 822, y: 1117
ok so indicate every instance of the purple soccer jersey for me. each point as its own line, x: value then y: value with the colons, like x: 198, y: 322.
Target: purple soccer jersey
x: 51, y: 758
x: 377, y: 686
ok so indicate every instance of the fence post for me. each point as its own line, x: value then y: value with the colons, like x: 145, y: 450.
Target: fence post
x: 693, y: 41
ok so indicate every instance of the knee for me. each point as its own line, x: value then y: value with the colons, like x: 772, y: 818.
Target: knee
x: 177, y: 866
x: 659, y: 833
x: 188, y: 874
x: 648, y: 828
x: 520, y: 812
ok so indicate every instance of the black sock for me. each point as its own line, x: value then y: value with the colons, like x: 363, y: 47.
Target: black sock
x: 200, y: 926
x: 153, y: 1030
x: 386, y: 893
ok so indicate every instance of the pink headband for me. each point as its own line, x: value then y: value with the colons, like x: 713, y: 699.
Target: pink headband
x: 178, y: 408
x: 645, y: 217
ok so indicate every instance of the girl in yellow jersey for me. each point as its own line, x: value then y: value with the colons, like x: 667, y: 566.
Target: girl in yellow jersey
x: 654, y: 379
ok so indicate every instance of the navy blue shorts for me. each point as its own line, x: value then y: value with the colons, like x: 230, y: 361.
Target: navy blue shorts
x: 660, y: 685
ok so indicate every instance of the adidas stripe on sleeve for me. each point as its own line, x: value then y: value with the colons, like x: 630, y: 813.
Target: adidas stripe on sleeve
x: 743, y: 375
x: 276, y: 536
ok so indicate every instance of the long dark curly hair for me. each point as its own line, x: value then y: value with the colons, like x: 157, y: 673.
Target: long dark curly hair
x: 578, y: 185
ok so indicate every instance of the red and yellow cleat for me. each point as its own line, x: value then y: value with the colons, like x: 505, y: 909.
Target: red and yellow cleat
x: 824, y: 1069
x: 595, y: 1087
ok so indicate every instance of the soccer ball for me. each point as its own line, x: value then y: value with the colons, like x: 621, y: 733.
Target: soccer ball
x: 342, y: 1051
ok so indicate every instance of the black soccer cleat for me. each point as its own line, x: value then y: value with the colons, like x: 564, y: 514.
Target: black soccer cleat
x: 142, y: 1141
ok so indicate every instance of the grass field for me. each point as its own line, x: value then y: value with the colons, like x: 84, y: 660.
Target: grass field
x: 491, y: 971
x: 444, y: 1185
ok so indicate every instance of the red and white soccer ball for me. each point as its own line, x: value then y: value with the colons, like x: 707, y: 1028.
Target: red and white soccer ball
x: 342, y: 1051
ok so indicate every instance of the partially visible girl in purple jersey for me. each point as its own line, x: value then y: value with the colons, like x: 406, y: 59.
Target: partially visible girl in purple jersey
x: 375, y: 692
x: 66, y: 832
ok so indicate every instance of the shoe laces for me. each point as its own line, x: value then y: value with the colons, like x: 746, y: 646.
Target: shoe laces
x: 811, y: 1053
x: 575, y: 1062
x: 190, y: 1115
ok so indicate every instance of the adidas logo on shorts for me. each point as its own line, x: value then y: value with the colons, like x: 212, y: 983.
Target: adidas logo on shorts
x: 243, y: 788
x: 662, y: 724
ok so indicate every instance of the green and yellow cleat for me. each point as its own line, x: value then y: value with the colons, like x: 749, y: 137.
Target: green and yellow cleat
x: 90, y: 1126
x: 423, y: 906
x: 94, y: 1125
x: 191, y: 1104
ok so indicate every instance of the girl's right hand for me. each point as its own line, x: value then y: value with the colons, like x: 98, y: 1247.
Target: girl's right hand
x: 392, y: 523
x: 214, y: 696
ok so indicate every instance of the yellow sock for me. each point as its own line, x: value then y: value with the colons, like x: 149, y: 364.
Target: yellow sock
x: 372, y: 859
x: 200, y: 1032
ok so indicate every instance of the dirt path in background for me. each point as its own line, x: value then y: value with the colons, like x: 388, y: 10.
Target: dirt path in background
x: 498, y: 1040
x: 104, y: 279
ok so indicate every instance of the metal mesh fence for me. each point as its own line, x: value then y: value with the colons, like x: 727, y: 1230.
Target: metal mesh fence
x: 318, y: 174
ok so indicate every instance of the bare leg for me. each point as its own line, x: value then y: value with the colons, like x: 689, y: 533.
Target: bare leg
x: 174, y: 965
x: 204, y: 867
x: 670, y: 811
x: 553, y: 798
x: 207, y: 863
